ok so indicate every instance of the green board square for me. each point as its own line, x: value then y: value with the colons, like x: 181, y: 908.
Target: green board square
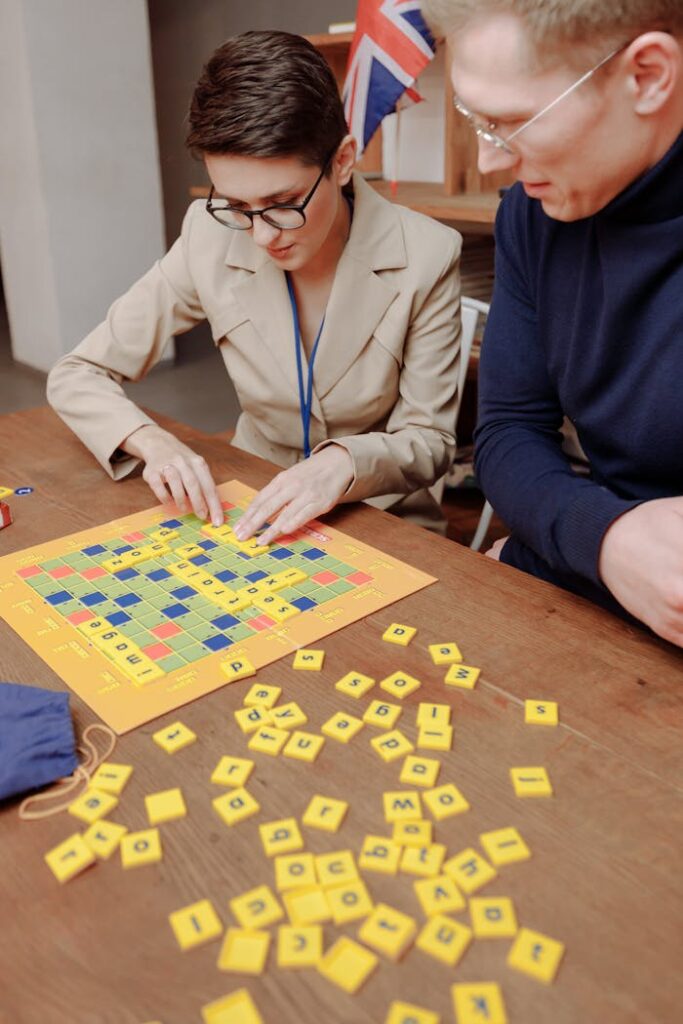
x: 171, y: 662
x: 340, y: 587
x: 193, y: 653
x: 240, y: 632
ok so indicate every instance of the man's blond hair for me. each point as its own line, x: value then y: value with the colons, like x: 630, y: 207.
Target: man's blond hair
x: 552, y: 25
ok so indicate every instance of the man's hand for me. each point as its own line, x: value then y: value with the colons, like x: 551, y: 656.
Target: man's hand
x: 641, y: 563
x: 175, y: 473
x: 298, y: 495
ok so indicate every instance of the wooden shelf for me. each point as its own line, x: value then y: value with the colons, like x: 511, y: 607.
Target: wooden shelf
x: 331, y: 41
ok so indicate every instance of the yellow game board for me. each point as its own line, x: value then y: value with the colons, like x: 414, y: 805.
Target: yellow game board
x: 145, y: 613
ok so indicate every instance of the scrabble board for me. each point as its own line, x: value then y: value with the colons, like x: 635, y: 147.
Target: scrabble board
x: 148, y: 612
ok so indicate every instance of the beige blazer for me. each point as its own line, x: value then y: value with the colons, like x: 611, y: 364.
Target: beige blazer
x: 385, y: 380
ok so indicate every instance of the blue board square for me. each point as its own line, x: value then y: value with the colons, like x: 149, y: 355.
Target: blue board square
x: 59, y: 598
x: 225, y: 576
x: 280, y: 553
x: 313, y: 553
x: 207, y: 544
x: 126, y: 600
x: 126, y: 547
x: 303, y: 603
x: 171, y: 524
x: 96, y: 549
x: 225, y: 622
x: 90, y: 599
x: 174, y: 610
x: 158, y: 574
x: 182, y: 593
x: 240, y: 554
x: 126, y: 574
x: 199, y: 560
x: 217, y: 643
x: 118, y: 618
x: 253, y: 577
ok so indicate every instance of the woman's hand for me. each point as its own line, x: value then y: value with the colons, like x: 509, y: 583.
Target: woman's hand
x: 298, y: 495
x: 175, y: 473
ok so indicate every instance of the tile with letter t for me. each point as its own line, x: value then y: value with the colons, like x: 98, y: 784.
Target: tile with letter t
x: 536, y: 954
x: 175, y: 737
x: 69, y: 858
x: 195, y: 924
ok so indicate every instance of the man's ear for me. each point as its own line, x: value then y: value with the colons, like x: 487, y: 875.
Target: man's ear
x: 655, y: 68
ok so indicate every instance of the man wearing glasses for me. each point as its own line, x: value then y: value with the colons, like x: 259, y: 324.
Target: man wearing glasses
x: 336, y: 312
x: 583, y: 102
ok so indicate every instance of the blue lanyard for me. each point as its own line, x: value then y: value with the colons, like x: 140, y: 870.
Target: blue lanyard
x: 305, y: 399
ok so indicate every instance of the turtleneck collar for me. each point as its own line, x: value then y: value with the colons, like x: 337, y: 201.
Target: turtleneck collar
x: 657, y: 195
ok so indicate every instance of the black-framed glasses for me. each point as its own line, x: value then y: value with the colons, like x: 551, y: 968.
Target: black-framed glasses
x: 284, y: 217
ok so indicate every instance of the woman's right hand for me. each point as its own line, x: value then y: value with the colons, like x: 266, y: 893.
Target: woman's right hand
x: 175, y: 473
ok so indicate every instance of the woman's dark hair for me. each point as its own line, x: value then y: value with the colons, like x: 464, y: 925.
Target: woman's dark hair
x: 267, y: 94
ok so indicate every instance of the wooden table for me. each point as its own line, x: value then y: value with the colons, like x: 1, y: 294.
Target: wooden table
x: 606, y: 873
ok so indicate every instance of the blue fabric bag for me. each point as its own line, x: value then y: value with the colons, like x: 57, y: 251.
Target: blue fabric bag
x: 37, y: 743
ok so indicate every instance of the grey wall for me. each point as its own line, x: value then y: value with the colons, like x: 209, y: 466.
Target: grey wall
x: 184, y: 34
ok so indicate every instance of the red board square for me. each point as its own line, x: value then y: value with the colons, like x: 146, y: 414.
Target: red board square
x: 359, y: 577
x: 157, y: 651
x: 261, y: 622
x: 165, y: 630
x: 133, y: 538
x: 30, y: 570
x: 94, y: 573
x: 77, y: 617
x: 227, y: 505
x: 60, y: 572
x: 326, y: 576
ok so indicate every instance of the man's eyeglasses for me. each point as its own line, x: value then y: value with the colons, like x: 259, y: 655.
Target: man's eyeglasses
x: 486, y: 130
x: 285, y: 217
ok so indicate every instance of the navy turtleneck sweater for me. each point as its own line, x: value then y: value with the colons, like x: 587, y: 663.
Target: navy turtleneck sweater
x: 586, y: 322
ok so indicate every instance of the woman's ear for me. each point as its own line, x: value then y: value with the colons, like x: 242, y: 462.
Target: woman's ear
x: 345, y: 158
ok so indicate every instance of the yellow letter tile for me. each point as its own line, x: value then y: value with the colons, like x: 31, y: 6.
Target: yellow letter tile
x: 300, y: 946
x: 304, y: 746
x: 482, y: 1001
x: 268, y: 740
x: 398, y: 634
x: 413, y: 833
x: 244, y: 951
x: 402, y: 805
x: 493, y: 917
x: 424, y: 861
x: 469, y: 870
x: 504, y: 846
x: 236, y: 1008
x: 69, y: 858
x: 308, y: 660
x: 325, y: 813
x: 445, y: 654
x: 103, y: 837
x: 336, y: 868
x: 541, y: 712
x: 232, y: 771
x: 342, y: 727
x: 536, y: 954
x: 281, y: 836
x: 237, y: 668
x: 288, y: 716
x: 111, y: 778
x: 388, y: 930
x: 463, y: 676
x: 400, y: 684
x: 408, y: 1013
x: 354, y: 684
x: 439, y: 895
x: 445, y: 801
x: 420, y: 771
x: 435, y: 737
x: 307, y: 906
x: 444, y: 939
x: 235, y: 806
x: 380, y: 854
x: 349, y: 902
x: 531, y: 782
x: 92, y: 805
x: 165, y: 806
x: 173, y: 738
x: 384, y: 716
x: 139, y: 848
x: 433, y: 714
x: 347, y: 964
x: 251, y: 719
x: 196, y: 924
x: 295, y: 871
x: 265, y: 696
x: 257, y: 908
x: 392, y: 745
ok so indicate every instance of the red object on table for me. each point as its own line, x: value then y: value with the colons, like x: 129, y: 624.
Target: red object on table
x: 5, y: 514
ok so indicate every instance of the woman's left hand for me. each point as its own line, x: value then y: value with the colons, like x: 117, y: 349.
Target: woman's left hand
x: 298, y: 494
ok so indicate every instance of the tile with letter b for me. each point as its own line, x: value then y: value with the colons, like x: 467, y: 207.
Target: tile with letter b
x: 103, y: 837
x: 140, y: 848
x: 536, y: 954
x: 408, y: 1013
x: 481, y: 1001
x: 354, y: 684
x: 381, y: 714
x: 263, y: 696
x: 463, y: 676
x: 111, y: 778
x: 347, y: 964
x: 398, y: 634
x: 444, y: 939
x: 295, y: 871
x: 325, y: 813
x: 268, y: 740
x: 257, y: 908
x: 392, y: 745
x: 380, y: 854
x: 445, y: 801
x: 303, y: 746
x: 402, y: 805
x: 541, y: 712
x: 237, y: 668
x: 308, y: 660
x: 232, y: 771
x: 299, y: 946
x: 445, y: 654
x: 167, y: 805
x: 69, y: 858
x: 504, y: 846
x: 174, y: 737
x: 400, y: 684
x: 236, y: 1008
x: 235, y: 806
x: 493, y: 917
x: 92, y: 805
x: 413, y: 833
x: 342, y: 727
x: 439, y: 895
x: 420, y: 771
x: 195, y: 924
x: 336, y: 868
x: 388, y: 931
x: 349, y: 902
x: 244, y: 950
x: 469, y: 870
x: 282, y: 836
x: 531, y: 782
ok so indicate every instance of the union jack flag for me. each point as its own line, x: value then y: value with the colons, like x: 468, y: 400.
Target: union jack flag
x: 390, y: 48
